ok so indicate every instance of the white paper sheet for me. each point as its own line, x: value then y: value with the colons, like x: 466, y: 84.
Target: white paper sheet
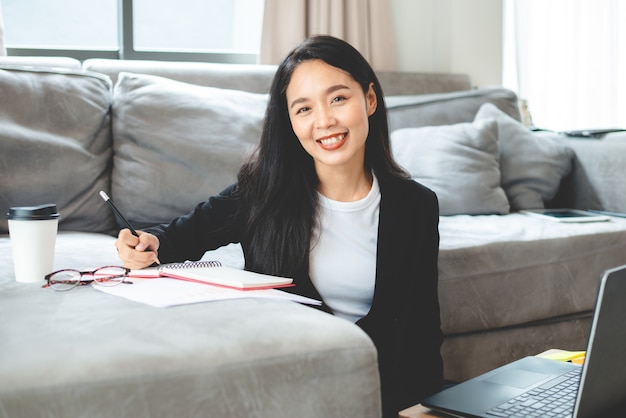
x: 163, y: 292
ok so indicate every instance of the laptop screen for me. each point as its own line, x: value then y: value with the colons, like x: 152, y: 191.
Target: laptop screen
x: 603, y: 382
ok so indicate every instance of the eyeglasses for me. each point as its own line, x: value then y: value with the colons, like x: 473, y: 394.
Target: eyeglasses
x: 67, y: 279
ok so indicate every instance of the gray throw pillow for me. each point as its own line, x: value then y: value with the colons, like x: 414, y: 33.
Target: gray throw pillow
x: 176, y: 144
x: 55, y: 142
x: 532, y: 166
x: 414, y: 111
x: 460, y: 163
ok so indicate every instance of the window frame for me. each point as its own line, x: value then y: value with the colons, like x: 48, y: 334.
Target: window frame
x: 127, y: 50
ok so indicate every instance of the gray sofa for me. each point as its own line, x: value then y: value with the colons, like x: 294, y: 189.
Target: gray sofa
x: 159, y: 137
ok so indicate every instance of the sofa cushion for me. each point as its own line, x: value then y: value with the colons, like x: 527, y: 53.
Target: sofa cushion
x: 253, y: 78
x: 414, y: 111
x: 460, y: 163
x: 176, y: 144
x: 56, y: 144
x: 532, y: 166
x: 84, y: 353
x: 55, y: 62
x: 501, y: 271
x: 515, y: 285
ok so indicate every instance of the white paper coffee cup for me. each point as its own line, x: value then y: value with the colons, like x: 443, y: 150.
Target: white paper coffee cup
x: 33, y: 232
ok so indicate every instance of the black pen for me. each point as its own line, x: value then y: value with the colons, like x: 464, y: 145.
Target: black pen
x: 120, y: 216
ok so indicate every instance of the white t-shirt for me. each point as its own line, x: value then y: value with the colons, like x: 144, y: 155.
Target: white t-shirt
x: 342, y: 261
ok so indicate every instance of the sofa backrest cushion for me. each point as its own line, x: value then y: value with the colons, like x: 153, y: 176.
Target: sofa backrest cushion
x: 258, y: 78
x: 409, y: 83
x: 459, y: 162
x: 55, y: 144
x: 414, y: 111
x: 175, y: 144
x: 247, y: 77
x: 50, y: 62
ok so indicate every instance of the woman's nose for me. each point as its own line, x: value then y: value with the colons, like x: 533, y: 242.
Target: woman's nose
x: 324, y: 118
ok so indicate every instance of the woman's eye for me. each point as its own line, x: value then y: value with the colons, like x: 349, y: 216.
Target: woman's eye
x: 302, y: 110
x: 338, y: 99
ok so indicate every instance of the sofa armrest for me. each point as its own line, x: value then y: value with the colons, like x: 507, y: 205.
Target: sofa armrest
x: 597, y: 177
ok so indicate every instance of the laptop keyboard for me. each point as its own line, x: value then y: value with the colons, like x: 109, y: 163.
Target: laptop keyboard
x: 555, y: 398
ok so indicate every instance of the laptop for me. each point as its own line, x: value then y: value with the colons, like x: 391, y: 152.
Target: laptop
x: 599, y: 386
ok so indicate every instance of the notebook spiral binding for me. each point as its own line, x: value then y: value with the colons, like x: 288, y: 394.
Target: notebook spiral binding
x: 192, y: 264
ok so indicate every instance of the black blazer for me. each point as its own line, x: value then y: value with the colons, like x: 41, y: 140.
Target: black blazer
x: 403, y: 321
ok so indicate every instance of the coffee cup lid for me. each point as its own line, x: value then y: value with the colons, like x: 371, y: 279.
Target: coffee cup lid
x: 40, y: 212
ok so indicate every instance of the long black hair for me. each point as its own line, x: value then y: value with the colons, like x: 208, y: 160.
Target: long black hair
x: 279, y: 183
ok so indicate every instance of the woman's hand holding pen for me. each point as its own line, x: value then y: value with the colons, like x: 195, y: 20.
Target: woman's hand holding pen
x: 137, y: 251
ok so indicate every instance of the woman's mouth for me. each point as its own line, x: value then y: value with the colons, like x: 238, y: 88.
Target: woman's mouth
x: 331, y: 142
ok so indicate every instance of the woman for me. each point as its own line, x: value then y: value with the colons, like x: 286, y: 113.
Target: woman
x: 323, y: 201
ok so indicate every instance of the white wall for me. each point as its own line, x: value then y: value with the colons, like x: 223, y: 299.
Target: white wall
x: 458, y: 36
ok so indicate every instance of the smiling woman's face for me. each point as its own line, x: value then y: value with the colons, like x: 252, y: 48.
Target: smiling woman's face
x: 329, y: 114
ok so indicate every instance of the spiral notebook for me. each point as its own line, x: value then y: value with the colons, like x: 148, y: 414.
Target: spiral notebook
x: 213, y: 273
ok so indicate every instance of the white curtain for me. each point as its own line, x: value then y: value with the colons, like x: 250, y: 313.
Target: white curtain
x: 567, y: 58
x: 366, y: 24
x: 3, y: 50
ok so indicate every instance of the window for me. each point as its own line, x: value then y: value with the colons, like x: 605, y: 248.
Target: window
x: 209, y: 30
x: 567, y: 58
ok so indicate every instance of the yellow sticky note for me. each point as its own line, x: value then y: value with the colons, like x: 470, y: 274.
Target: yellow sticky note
x: 563, y: 355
